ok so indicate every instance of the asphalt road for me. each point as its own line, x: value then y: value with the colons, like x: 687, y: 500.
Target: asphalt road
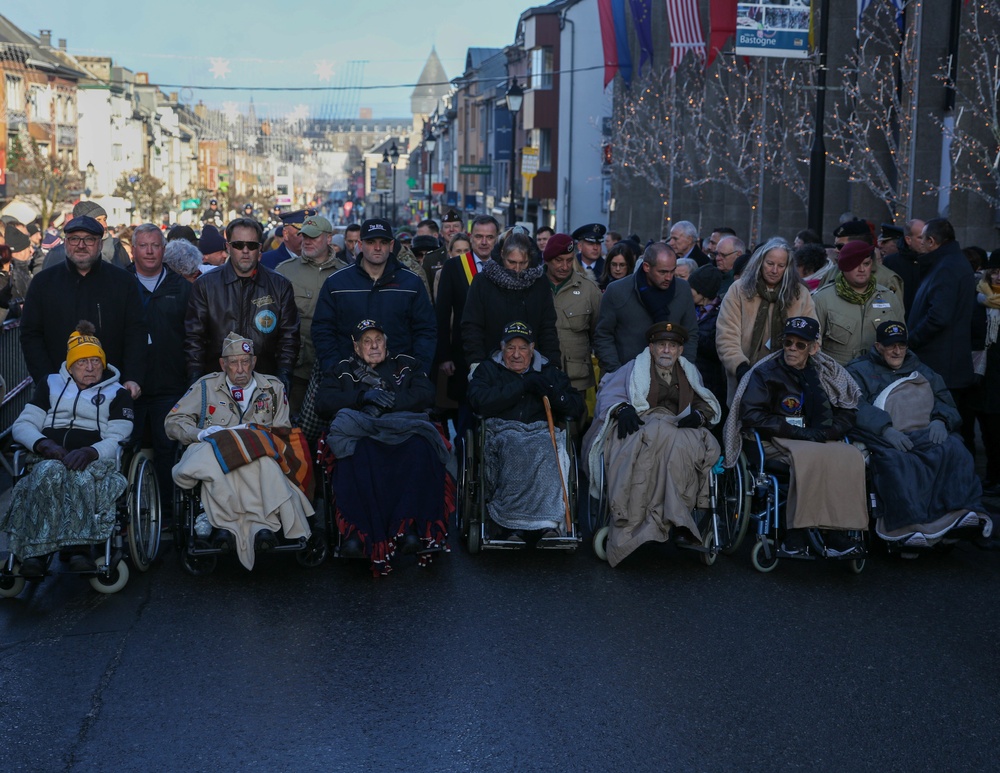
x: 509, y: 661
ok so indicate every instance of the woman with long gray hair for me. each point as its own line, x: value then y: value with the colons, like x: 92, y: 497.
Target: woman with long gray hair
x: 753, y: 312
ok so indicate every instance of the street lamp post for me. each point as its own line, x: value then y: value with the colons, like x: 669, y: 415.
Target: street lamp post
x: 385, y: 160
x: 394, y: 158
x: 430, y: 141
x: 515, y: 96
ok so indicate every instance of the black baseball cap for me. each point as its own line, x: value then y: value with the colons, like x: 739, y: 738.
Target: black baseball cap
x: 376, y: 229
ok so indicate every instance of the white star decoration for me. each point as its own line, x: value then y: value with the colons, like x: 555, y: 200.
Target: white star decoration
x: 219, y: 67
x: 300, y: 113
x: 231, y: 110
x: 324, y: 70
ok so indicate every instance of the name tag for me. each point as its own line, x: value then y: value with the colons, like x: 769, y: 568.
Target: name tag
x: 795, y: 421
x: 880, y: 305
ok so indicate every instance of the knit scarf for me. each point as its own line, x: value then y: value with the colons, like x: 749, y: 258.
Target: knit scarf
x: 991, y: 298
x: 511, y: 280
x: 656, y: 301
x: 770, y: 306
x: 700, y: 312
x: 849, y: 294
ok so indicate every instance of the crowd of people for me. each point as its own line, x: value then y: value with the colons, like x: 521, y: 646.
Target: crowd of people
x: 660, y: 355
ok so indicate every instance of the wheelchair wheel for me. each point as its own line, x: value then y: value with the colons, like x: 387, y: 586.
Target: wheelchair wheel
x: 473, y: 540
x: 466, y: 483
x: 601, y: 543
x: 11, y: 586
x: 761, y: 562
x: 708, y: 558
x: 733, y: 502
x: 198, y: 566
x: 316, y: 551
x: 143, y: 513
x: 116, y: 579
x: 856, y: 565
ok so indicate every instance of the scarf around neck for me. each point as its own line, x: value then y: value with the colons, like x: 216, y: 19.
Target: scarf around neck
x: 511, y: 280
x: 656, y: 301
x: 770, y: 308
x: 849, y: 294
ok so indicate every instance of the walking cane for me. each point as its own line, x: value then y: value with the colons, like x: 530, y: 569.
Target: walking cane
x: 562, y: 480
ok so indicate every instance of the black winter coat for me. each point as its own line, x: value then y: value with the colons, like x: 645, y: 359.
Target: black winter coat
x: 59, y: 297
x: 496, y: 392
x: 401, y: 374
x: 776, y: 391
x: 261, y: 308
x: 940, y: 319
x: 163, y: 314
x: 490, y: 308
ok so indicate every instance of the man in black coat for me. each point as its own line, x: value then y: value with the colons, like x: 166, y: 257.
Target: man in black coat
x: 685, y: 242
x: 84, y: 287
x: 164, y: 295
x: 243, y: 297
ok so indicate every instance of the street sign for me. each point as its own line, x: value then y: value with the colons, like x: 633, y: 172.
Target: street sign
x: 529, y: 162
x: 474, y: 168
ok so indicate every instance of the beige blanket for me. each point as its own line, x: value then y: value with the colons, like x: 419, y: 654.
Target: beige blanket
x: 827, y: 488
x: 254, y: 497
x: 655, y: 477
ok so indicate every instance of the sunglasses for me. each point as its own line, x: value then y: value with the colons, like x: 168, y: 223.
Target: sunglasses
x: 252, y: 246
x: 800, y: 345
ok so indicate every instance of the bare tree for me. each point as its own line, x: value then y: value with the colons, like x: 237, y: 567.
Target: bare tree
x: 975, y: 135
x: 872, y: 129
x: 40, y: 180
x: 145, y: 192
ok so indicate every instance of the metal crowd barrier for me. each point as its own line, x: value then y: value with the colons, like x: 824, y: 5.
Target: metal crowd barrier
x: 15, y: 375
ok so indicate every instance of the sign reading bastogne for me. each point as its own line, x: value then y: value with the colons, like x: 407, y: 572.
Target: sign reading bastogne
x: 774, y: 28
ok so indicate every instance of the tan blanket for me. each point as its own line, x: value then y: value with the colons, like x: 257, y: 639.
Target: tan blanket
x: 255, y: 496
x: 655, y: 477
x: 827, y: 488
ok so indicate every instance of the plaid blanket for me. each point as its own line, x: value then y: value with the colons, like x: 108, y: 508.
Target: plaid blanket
x: 288, y: 447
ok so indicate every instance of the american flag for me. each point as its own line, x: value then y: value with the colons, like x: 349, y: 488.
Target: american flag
x: 686, y: 34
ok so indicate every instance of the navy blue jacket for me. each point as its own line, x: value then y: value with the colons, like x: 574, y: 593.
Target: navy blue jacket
x: 272, y: 258
x: 398, y: 300
x: 940, y: 319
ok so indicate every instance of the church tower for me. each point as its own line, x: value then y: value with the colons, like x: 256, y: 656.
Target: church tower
x: 432, y: 86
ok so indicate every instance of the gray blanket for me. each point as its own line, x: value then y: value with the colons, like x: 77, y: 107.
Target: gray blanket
x: 523, y: 490
x: 348, y: 426
x: 53, y: 508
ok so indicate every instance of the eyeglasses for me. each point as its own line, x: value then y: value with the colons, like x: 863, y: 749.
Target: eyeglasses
x: 726, y: 255
x: 76, y: 241
x: 252, y: 246
x: 897, y: 345
x: 799, y: 345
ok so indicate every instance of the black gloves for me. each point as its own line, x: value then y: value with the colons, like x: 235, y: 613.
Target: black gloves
x: 379, y: 397
x: 534, y: 383
x: 79, y: 459
x: 50, y: 449
x: 815, y: 435
x: 897, y: 439
x: 628, y: 421
x: 285, y: 377
x: 741, y: 371
x: 693, y: 420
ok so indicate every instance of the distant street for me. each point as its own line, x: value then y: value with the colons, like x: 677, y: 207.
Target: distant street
x: 505, y: 661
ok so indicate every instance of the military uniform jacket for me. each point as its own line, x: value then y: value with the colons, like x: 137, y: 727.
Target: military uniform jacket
x: 849, y: 328
x: 307, y: 279
x: 210, y: 403
x: 577, y: 303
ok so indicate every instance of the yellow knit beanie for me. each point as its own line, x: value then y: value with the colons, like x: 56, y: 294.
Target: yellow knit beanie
x: 83, y: 343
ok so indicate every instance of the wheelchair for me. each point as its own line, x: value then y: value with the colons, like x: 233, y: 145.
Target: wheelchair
x: 768, y: 495
x: 729, y: 507
x: 199, y: 545
x: 471, y: 513
x: 135, y: 535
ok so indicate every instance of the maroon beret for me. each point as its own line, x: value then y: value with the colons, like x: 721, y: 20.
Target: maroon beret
x: 852, y: 255
x: 558, y: 244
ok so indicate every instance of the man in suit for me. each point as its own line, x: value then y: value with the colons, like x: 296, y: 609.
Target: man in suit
x: 684, y: 241
x: 456, y: 276
x: 590, y: 240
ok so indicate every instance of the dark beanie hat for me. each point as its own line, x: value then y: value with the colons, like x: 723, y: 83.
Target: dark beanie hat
x: 740, y: 264
x: 211, y: 240
x: 706, y: 280
x: 16, y: 239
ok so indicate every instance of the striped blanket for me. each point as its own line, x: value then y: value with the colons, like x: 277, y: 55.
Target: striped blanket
x: 288, y: 447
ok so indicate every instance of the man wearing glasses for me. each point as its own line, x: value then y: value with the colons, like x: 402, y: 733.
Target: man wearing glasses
x: 84, y: 287
x: 727, y: 251
x: 247, y: 298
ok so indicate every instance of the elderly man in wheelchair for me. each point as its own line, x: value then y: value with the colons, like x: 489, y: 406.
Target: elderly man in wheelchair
x: 650, y: 442
x: 801, y: 404
x: 526, y: 473
x: 73, y: 428
x: 922, y: 473
x: 243, y: 454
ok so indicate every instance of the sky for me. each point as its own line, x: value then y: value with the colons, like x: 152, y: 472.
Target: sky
x: 293, y: 43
